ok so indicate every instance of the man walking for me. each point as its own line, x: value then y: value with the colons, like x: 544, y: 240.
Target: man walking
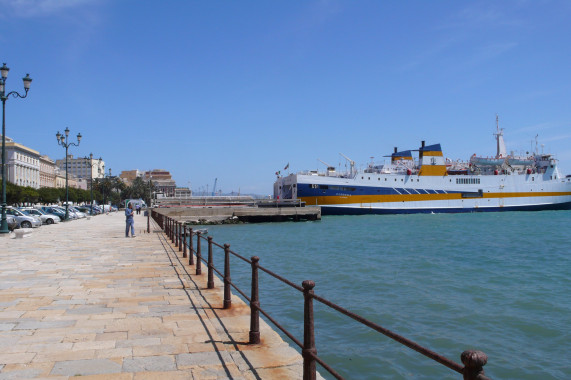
x: 130, y: 220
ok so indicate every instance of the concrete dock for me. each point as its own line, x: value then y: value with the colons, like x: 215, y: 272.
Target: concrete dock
x: 80, y: 299
x: 213, y: 214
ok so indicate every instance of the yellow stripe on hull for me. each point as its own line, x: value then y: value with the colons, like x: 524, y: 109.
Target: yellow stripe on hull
x: 339, y: 200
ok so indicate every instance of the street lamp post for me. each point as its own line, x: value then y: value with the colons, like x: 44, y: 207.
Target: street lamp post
x: 3, y: 96
x: 103, y: 187
x: 91, y: 164
x: 62, y: 140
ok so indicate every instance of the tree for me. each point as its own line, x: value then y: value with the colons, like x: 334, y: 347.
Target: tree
x: 29, y: 195
x: 48, y: 195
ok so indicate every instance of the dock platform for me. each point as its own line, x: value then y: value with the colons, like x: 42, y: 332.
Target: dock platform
x: 80, y: 299
x: 246, y: 214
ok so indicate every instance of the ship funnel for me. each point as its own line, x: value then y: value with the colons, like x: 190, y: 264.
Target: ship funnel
x: 422, y: 144
x: 396, y: 149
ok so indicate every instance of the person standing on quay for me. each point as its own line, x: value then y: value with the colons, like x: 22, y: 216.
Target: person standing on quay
x: 130, y: 220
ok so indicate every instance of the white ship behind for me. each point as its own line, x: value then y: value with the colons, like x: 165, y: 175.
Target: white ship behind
x: 432, y: 184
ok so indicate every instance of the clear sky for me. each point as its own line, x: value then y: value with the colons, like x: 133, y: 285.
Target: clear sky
x: 235, y: 90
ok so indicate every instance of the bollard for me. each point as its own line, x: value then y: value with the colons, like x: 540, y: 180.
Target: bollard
x: 190, y: 249
x: 210, y: 283
x: 184, y: 242
x: 227, y: 294
x: 255, y: 304
x: 309, y: 350
x: 198, y: 254
x: 474, y: 361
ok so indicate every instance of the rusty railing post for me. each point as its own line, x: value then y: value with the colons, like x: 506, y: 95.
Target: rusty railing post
x: 227, y: 294
x: 210, y: 283
x: 176, y: 233
x: 198, y: 254
x: 184, y: 242
x: 190, y: 248
x: 167, y: 227
x: 309, y: 351
x: 474, y: 361
x: 255, y: 304
x: 173, y: 230
x: 148, y: 220
x: 180, y: 235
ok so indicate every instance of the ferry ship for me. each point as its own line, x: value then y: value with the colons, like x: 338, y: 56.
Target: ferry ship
x: 429, y: 183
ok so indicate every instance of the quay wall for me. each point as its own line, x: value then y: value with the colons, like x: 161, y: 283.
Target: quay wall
x: 240, y: 213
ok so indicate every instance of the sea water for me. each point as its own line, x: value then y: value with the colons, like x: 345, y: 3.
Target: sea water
x: 494, y: 282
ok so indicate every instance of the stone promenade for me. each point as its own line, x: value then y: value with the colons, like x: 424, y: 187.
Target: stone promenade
x: 78, y: 299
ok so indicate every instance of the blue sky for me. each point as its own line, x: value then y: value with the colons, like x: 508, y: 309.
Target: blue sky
x: 235, y: 90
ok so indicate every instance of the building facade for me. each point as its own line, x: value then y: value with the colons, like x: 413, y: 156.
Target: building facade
x: 22, y: 164
x: 128, y: 176
x: 182, y: 192
x: 47, y: 172
x: 162, y: 181
x: 72, y: 181
x: 82, y: 167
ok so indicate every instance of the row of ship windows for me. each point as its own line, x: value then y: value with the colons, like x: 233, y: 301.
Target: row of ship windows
x: 461, y: 181
x: 402, y: 180
x: 468, y: 181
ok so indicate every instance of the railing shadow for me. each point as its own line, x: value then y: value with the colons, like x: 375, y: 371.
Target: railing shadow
x: 183, y: 239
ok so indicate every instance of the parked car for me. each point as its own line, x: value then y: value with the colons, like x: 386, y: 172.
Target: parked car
x: 24, y: 221
x: 53, y: 211
x: 12, y: 222
x: 70, y: 213
x: 79, y: 213
x: 46, y: 218
x: 84, y: 209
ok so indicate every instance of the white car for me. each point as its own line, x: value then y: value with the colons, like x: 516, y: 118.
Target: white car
x: 24, y: 221
x: 77, y: 212
x: 70, y: 213
x: 46, y: 218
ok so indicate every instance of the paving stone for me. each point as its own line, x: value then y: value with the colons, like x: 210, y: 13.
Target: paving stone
x: 149, y: 363
x: 86, y: 367
x: 21, y: 357
x: 38, y: 325
x: 7, y: 326
x: 203, y: 359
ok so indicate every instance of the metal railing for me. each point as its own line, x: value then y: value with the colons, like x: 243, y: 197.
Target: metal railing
x: 183, y: 238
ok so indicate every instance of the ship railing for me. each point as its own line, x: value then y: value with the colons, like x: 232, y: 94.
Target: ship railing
x: 183, y: 238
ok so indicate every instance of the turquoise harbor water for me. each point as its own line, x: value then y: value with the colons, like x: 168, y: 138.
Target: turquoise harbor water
x: 496, y: 282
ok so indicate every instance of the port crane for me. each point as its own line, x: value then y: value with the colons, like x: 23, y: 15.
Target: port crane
x: 214, y: 187
x: 351, y: 162
x: 330, y: 168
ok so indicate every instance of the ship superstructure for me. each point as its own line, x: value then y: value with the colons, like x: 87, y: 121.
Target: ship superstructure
x: 432, y: 184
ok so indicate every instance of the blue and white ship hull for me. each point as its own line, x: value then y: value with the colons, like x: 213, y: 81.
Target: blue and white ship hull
x: 433, y: 185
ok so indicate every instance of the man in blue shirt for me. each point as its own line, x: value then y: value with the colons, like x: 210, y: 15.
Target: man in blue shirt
x: 130, y: 220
